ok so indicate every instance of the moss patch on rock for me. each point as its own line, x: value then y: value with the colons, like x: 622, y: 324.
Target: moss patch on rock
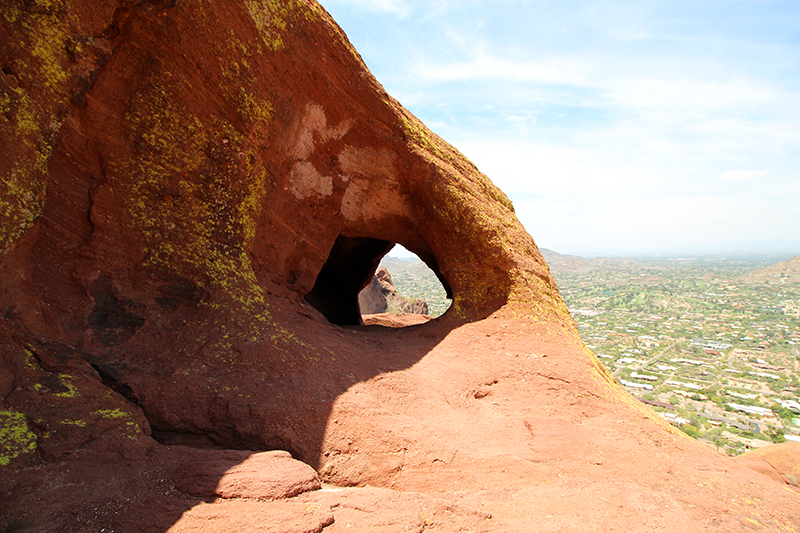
x: 16, y: 437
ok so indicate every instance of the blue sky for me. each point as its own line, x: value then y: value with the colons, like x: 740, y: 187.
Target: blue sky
x: 615, y: 127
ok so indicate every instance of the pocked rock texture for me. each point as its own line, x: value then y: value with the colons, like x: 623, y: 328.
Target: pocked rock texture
x: 193, y: 194
x: 380, y: 296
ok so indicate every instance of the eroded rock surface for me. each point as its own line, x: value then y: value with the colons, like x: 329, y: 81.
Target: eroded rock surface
x: 193, y: 193
x: 239, y: 474
x: 381, y: 296
x: 779, y: 461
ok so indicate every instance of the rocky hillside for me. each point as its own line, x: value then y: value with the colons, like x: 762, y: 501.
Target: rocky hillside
x: 193, y: 194
x: 381, y: 296
x: 784, y: 272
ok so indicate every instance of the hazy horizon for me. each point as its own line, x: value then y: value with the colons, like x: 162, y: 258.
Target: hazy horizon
x: 788, y: 252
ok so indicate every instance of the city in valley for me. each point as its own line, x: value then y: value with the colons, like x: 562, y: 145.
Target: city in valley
x: 712, y: 344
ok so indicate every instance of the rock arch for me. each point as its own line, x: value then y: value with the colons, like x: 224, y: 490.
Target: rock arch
x: 193, y: 191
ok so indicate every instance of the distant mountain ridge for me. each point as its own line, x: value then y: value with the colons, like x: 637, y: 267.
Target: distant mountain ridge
x: 412, y: 265
x: 573, y: 263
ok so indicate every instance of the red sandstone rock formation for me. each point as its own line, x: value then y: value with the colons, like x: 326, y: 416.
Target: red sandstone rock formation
x: 371, y: 299
x: 779, y: 461
x: 193, y: 195
x: 380, y: 296
x: 396, y: 320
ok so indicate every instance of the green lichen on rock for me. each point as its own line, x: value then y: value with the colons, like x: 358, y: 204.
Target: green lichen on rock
x: 72, y: 391
x: 418, y: 135
x: 16, y: 438
x: 23, y: 189
x: 185, y: 167
x: 36, y: 87
x: 198, y: 186
x: 271, y: 17
x: 169, y: 145
x: 48, y: 39
x: 206, y: 173
x: 112, y: 413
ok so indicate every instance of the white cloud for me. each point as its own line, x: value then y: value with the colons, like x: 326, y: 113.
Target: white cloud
x: 682, y: 91
x: 488, y: 67
x: 586, y: 200
x: 685, y: 112
x: 544, y: 169
x: 741, y: 175
x: 436, y: 8
x: 401, y: 8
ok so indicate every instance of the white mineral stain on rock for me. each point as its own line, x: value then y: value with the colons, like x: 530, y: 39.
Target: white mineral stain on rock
x: 313, y: 129
x: 307, y: 181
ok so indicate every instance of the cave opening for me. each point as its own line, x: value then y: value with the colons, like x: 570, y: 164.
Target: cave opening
x: 350, y: 268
